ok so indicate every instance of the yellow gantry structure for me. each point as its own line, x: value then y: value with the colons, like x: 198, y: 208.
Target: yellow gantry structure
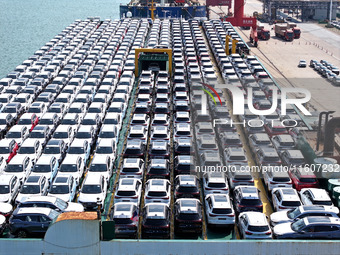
x: 140, y: 50
x: 233, y: 48
x: 152, y: 9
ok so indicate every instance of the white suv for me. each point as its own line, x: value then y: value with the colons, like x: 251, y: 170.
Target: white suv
x: 314, y: 196
x: 285, y: 198
x: 157, y: 191
x: 219, y: 210
x: 254, y: 225
x: 129, y: 190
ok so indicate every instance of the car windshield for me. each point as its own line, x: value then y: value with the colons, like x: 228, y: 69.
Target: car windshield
x: 76, y: 150
x: 46, y: 122
x: 104, y: 150
x: 14, y: 168
x: 3, y: 122
x: 41, y: 169
x: 13, y: 135
x: 83, y: 135
x: 292, y: 214
x: 107, y: 135
x: 52, y: 150
x: 37, y: 135
x: 53, y: 214
x: 298, y: 225
x: 91, y: 189
x: 60, y: 135
x: 26, y: 150
x: 124, y: 221
x: 68, y: 168
x: 61, y: 204
x: 4, y: 150
x: 98, y: 168
x: 4, y: 189
x: 24, y: 121
x: 308, y: 180
x: 59, y: 189
x: 30, y: 189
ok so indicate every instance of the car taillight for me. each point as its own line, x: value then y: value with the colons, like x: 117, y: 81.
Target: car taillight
x: 248, y: 233
x: 230, y: 215
x: 212, y: 215
x: 282, y: 207
x: 239, y: 205
x: 268, y: 233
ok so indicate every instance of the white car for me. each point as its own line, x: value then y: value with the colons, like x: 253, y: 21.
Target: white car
x: 46, y: 165
x: 254, y: 225
x: 315, y: 196
x: 64, y: 132
x: 93, y: 192
x: 20, y: 166
x: 51, y: 202
x: 64, y: 187
x: 35, y: 185
x: 128, y: 190
x: 9, y: 188
x: 219, y: 210
x: 102, y: 165
x: 32, y: 148
x: 72, y: 165
x: 215, y: 183
x: 157, y: 191
x: 285, y: 199
x: 289, y: 216
x: 19, y: 133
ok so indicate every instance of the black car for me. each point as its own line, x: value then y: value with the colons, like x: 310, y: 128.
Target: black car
x: 187, y: 186
x: 28, y: 221
x: 188, y: 216
x: 156, y: 221
x: 247, y: 198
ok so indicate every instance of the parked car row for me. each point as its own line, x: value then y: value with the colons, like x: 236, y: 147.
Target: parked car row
x: 86, y: 121
x: 327, y: 70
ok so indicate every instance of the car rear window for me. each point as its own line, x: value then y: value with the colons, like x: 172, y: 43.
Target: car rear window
x: 189, y: 216
x: 258, y: 228
x: 126, y: 193
x: 291, y: 203
x: 308, y: 180
x: 250, y: 201
x: 281, y: 179
x: 222, y: 210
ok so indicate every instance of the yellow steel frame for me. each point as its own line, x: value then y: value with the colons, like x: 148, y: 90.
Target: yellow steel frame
x: 167, y: 51
x: 233, y: 48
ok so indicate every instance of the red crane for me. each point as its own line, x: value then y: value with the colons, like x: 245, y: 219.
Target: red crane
x: 239, y: 20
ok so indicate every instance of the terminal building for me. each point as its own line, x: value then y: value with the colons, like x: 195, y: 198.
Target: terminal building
x: 305, y: 9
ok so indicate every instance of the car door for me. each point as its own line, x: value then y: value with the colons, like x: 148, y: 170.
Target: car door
x: 44, y: 222
x: 33, y: 224
x: 276, y: 197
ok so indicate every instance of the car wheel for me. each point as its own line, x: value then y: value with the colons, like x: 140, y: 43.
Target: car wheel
x: 22, y: 233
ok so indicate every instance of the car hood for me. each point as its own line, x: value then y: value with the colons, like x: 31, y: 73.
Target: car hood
x: 4, y: 198
x: 74, y: 207
x: 279, y: 217
x: 283, y: 229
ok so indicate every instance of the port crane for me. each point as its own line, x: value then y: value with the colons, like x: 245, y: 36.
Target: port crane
x: 239, y: 20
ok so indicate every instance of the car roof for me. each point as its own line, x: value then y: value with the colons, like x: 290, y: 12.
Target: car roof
x: 33, y: 210
x: 156, y: 210
x: 48, y: 199
x: 319, y: 194
x: 288, y: 194
x: 256, y: 218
